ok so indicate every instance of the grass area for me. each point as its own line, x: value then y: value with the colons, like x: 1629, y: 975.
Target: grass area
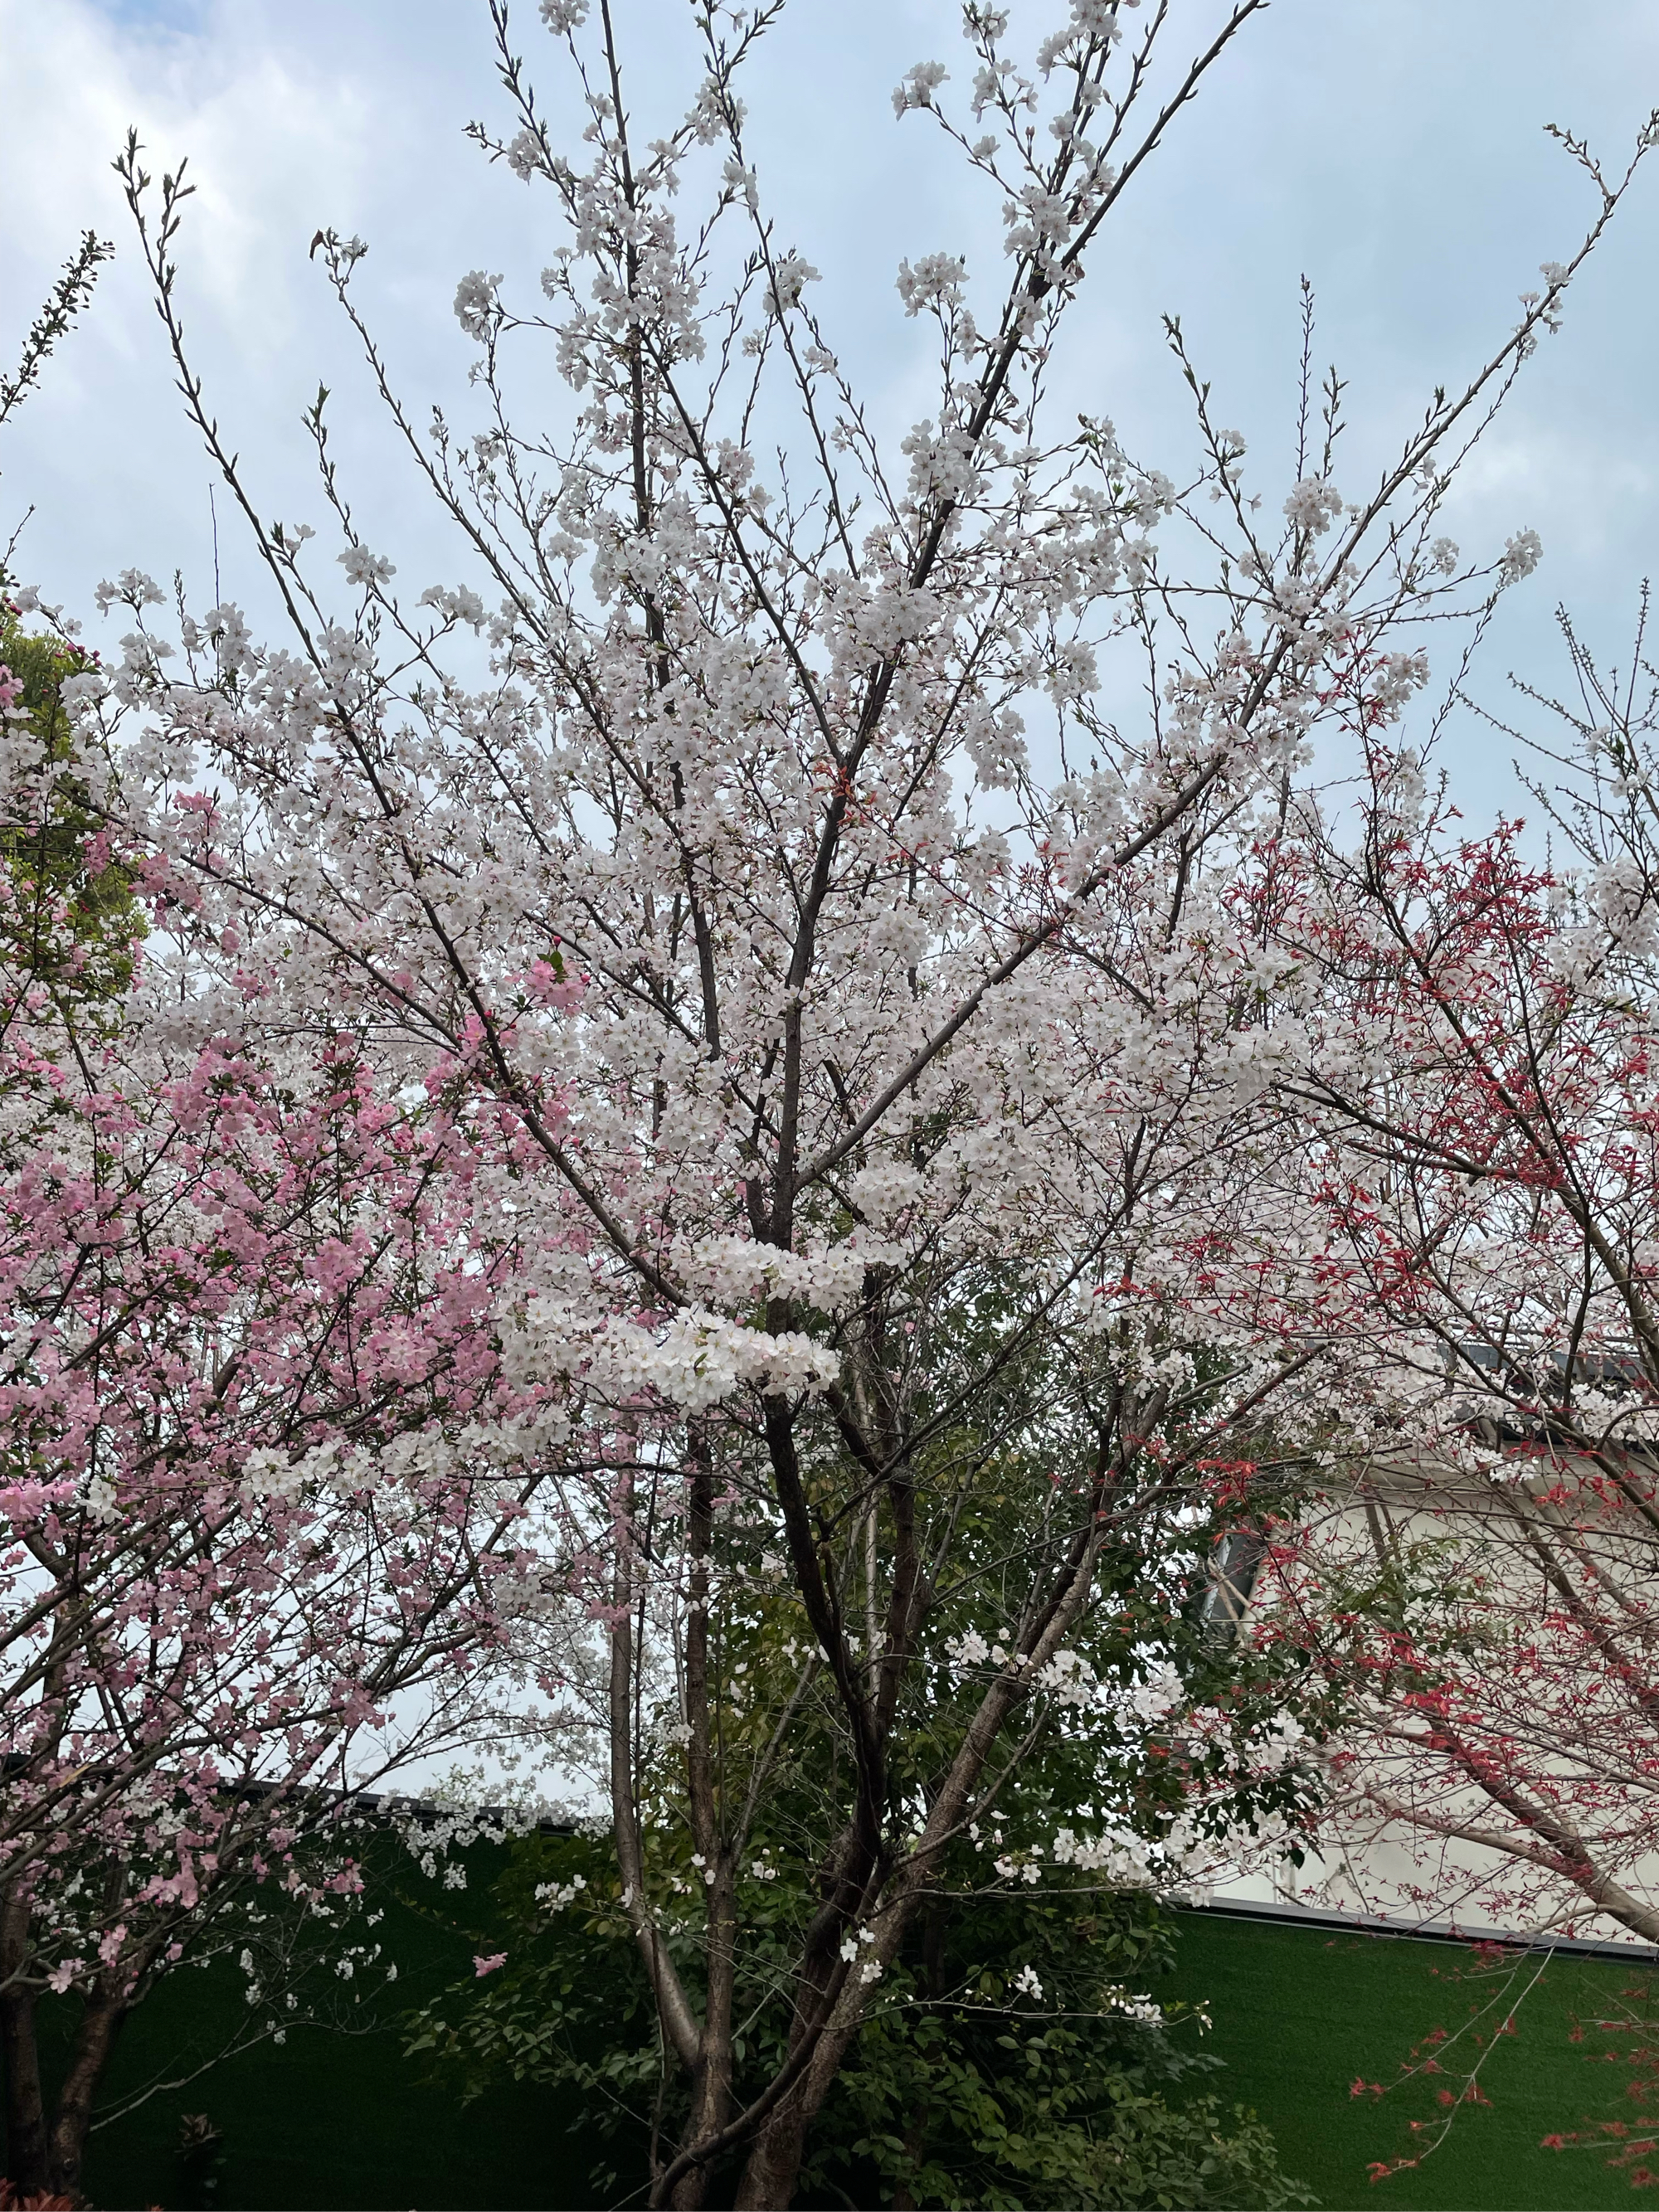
x: 1301, y: 2014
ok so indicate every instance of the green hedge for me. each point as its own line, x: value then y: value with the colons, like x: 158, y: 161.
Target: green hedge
x: 334, y: 2116
x: 1303, y: 2012
x: 338, y: 2117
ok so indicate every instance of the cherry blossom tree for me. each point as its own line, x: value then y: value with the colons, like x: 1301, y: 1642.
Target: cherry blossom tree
x: 1480, y: 1077
x: 266, y: 1483
x: 263, y: 1496
x: 265, y: 1489
x: 853, y: 999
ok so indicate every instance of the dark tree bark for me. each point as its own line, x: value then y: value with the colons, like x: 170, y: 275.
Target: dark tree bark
x: 26, y: 2115
x: 47, y: 2136
x: 102, y: 2017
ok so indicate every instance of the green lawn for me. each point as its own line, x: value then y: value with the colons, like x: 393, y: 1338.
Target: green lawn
x: 1301, y: 2014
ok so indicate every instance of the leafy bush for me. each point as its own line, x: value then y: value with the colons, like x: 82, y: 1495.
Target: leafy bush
x: 1015, y: 2056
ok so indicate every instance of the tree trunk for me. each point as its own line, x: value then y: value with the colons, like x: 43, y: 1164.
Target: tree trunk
x: 45, y: 2152
x: 104, y: 2009
x: 772, y: 2169
x: 25, y: 2116
x: 20, y: 2054
x: 710, y: 2104
x: 711, y: 2084
x: 773, y: 2166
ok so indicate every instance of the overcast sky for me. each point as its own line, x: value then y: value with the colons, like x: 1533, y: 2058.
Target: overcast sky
x: 1393, y: 149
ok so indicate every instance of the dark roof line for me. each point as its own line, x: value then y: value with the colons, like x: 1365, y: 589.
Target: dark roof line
x: 1423, y: 1932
